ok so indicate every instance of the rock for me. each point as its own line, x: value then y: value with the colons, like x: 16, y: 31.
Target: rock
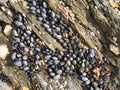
x: 114, y: 49
x: 3, y: 51
x: 7, y: 30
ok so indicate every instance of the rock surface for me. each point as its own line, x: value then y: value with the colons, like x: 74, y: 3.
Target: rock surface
x: 96, y: 23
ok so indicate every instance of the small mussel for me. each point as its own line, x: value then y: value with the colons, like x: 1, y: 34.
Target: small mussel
x: 91, y: 52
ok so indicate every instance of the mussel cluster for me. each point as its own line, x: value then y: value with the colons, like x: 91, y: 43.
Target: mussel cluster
x: 75, y: 60
x: 25, y: 50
